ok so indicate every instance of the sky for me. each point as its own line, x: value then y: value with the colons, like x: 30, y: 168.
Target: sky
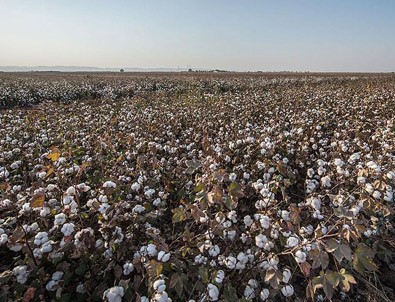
x: 292, y: 35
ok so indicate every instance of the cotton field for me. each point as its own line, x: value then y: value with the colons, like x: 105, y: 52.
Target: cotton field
x: 197, y: 187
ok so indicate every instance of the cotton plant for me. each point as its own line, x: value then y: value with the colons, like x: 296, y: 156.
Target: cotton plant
x: 276, y: 186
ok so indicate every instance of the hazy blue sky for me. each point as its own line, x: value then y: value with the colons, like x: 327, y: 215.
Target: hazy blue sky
x: 315, y: 35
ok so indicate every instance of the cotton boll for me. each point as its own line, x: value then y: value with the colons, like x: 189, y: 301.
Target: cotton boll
x: 71, y: 191
x: 285, y: 215
x: 326, y: 181
x: 287, y: 290
x: 46, y: 247
x: 114, y: 294
x: 390, y: 175
x: 51, y: 286
x: 3, y: 239
x: 40, y: 238
x: 159, y: 286
x: 361, y: 180
x: 292, y: 242
x: 338, y: 162
x: 128, y: 268
x: 67, y: 229
x: 213, y: 292
x: 376, y: 194
x: 138, y: 209
x: 300, y: 256
x: 286, y: 275
x: 45, y: 211
x: 264, y: 294
x: 219, y: 278
x: 369, y: 188
x: 230, y: 262
x: 21, y: 274
x: 60, y: 219
x: 249, y: 292
x: 214, y: 251
x: 163, y: 256
x: 265, y: 222
x: 57, y: 275
x: 41, y: 175
x: 315, y: 203
x: 135, y: 187
x: 389, y: 196
x: 161, y: 297
x: 247, y: 221
x: 232, y: 177
x: 260, y: 240
x: 109, y: 184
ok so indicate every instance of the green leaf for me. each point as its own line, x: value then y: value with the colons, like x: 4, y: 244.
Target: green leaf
x: 80, y: 270
x: 229, y: 294
x: 203, y: 272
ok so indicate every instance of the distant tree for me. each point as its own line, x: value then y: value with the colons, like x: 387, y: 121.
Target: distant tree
x: 122, y: 70
x: 190, y: 70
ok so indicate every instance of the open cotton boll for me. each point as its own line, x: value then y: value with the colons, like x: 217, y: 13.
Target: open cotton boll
x: 265, y: 222
x: 300, y: 256
x: 315, y: 203
x: 163, y: 256
x: 45, y: 211
x: 214, y: 251
x: 40, y: 238
x: 109, y: 184
x: 292, y: 241
x: 46, y: 247
x: 159, y: 286
x: 287, y: 290
x: 128, y: 268
x: 326, y: 181
x: 369, y: 188
x: 67, y: 229
x: 161, y: 297
x: 20, y: 272
x: 57, y: 275
x: 3, y: 239
x: 220, y: 276
x: 71, y: 191
x: 232, y: 177
x: 376, y: 194
x: 338, y: 162
x: 286, y: 275
x: 213, y: 292
x: 114, y: 294
x: 249, y: 292
x: 260, y: 240
x: 264, y: 294
x: 247, y: 220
